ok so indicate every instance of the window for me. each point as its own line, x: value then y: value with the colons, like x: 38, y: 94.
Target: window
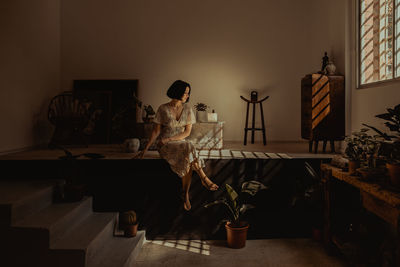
x: 379, y: 41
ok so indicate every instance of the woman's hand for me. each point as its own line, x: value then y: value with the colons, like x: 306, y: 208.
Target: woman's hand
x: 139, y: 155
x: 164, y: 141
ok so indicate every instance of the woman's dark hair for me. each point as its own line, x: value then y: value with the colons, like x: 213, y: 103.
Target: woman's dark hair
x: 177, y: 90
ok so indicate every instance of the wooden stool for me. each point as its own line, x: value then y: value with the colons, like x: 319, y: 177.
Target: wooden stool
x: 254, y: 101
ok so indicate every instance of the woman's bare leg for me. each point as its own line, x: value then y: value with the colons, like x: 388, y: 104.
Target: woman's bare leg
x: 186, y: 181
x: 204, y: 179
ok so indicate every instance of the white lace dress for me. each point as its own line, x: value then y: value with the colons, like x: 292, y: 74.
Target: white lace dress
x: 179, y: 154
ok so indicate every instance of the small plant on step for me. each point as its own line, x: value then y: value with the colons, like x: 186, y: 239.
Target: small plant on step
x: 128, y: 222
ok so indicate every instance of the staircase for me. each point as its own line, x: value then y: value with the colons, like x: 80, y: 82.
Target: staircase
x: 35, y: 231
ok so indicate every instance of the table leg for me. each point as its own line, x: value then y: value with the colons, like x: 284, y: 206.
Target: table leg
x: 245, y: 126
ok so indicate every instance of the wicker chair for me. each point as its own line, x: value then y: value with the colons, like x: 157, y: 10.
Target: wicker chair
x: 70, y: 116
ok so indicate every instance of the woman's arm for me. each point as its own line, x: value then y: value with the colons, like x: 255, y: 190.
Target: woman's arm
x: 153, y: 137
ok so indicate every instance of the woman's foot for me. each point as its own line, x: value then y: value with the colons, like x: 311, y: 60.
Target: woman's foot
x: 186, y: 202
x: 207, y: 183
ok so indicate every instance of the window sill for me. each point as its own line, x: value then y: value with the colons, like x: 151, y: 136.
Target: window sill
x: 379, y: 83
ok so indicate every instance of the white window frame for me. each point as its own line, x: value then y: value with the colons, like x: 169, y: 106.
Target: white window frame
x: 394, y: 79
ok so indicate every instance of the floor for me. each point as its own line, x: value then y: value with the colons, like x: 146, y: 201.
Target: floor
x: 115, y: 151
x: 265, y: 252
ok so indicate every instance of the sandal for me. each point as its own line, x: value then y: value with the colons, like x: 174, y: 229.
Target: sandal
x: 186, y: 206
x: 210, y: 186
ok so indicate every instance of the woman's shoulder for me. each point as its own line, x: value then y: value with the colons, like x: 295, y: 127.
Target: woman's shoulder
x: 187, y: 106
x: 163, y: 106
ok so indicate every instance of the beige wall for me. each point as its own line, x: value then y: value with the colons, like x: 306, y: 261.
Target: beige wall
x: 365, y: 103
x: 223, y: 48
x: 29, y: 70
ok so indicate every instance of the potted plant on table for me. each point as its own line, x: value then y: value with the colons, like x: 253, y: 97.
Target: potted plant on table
x: 370, y: 168
x: 391, y: 143
x: 236, y: 228
x: 201, y: 110
x: 354, y: 149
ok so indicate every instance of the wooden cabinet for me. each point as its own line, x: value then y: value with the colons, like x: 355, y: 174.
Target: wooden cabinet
x: 322, y: 109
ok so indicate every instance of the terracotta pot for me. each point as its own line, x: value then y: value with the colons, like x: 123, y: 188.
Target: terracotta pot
x: 316, y: 234
x: 394, y: 174
x: 130, y: 230
x: 370, y: 174
x: 353, y: 166
x: 236, y: 236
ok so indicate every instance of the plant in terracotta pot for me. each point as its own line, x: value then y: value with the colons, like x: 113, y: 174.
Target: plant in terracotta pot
x: 370, y: 169
x: 391, y: 143
x: 236, y: 227
x: 128, y: 222
x: 393, y: 163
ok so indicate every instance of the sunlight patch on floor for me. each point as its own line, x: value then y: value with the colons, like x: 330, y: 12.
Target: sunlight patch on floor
x: 195, y: 246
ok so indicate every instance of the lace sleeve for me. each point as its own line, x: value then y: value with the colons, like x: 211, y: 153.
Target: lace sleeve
x: 158, y: 117
x: 191, y: 119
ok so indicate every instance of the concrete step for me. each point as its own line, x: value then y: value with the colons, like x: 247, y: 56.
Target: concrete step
x: 19, y: 199
x: 79, y: 245
x: 53, y: 221
x: 120, y: 251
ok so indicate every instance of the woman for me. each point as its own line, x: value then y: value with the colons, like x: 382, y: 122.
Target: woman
x: 173, y: 122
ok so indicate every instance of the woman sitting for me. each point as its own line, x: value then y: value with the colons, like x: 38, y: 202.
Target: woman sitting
x: 173, y: 122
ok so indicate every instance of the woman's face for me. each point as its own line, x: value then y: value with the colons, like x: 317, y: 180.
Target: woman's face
x: 185, y: 95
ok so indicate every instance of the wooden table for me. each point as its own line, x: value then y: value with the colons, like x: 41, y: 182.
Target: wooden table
x: 375, y: 198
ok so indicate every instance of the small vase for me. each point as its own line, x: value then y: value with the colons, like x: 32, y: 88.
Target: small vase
x: 131, y: 145
x: 212, y: 117
x: 330, y: 68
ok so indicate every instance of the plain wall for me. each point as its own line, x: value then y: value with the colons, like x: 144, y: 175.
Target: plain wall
x: 224, y: 48
x: 29, y: 70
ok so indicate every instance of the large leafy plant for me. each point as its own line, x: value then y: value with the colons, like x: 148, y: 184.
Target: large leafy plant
x: 235, y: 202
x: 390, y: 145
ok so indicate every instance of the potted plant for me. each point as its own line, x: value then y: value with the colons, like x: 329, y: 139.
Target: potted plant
x: 236, y: 227
x: 201, y: 110
x: 370, y: 168
x: 354, y: 149
x: 75, y: 187
x: 125, y: 119
x: 149, y: 113
x: 391, y: 143
x: 128, y: 222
